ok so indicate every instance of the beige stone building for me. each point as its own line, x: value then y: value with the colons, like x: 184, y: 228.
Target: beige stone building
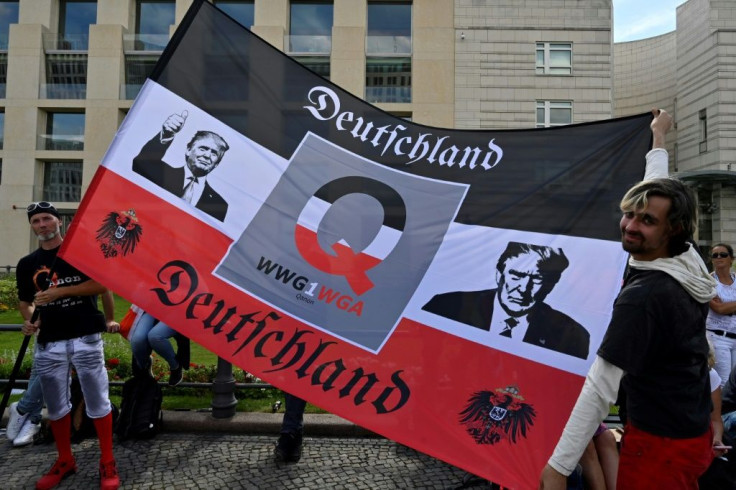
x: 692, y: 73
x: 527, y: 63
x: 69, y: 70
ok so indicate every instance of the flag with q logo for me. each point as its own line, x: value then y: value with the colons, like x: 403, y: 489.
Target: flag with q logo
x: 446, y: 289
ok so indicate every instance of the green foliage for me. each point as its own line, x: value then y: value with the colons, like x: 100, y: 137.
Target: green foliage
x: 11, y: 317
x: 7, y: 361
x: 8, y: 293
x: 118, y: 361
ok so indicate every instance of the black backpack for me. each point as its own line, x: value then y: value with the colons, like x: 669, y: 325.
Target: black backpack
x: 140, y: 410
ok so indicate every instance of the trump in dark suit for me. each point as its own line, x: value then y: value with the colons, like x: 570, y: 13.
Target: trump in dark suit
x: 525, y: 275
x: 203, y: 154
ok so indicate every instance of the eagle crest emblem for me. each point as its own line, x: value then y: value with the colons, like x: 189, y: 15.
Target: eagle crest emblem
x: 119, y: 234
x: 491, y: 416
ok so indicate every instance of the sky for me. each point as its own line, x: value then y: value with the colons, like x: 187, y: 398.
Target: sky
x: 640, y: 19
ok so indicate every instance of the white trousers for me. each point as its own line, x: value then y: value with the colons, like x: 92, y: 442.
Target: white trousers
x: 54, y: 361
x: 725, y: 350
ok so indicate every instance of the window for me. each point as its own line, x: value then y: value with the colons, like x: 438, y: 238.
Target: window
x: 703, y: 128
x: 66, y: 76
x: 310, y: 27
x: 388, y: 52
x: 388, y: 79
x: 153, y: 20
x: 62, y: 181
x: 318, y: 64
x: 406, y: 116
x: 64, y: 131
x: 554, y: 58
x: 310, y: 35
x: 705, y: 215
x: 553, y: 113
x: 66, y: 216
x: 8, y: 15
x: 137, y: 68
x: 75, y: 17
x: 2, y: 130
x: 389, y: 28
x: 3, y: 73
x: 66, y: 52
x: 142, y: 49
x: 242, y: 11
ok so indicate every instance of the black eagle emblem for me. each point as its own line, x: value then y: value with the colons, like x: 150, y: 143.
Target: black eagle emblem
x: 119, y: 233
x: 491, y: 416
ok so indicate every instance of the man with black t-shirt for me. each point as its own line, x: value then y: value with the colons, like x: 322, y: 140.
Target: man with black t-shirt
x: 655, y: 347
x: 70, y: 328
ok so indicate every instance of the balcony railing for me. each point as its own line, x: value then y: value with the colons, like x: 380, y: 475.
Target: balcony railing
x: 64, y: 142
x: 387, y: 45
x: 388, y: 94
x: 63, y: 91
x: 53, y: 42
x: 135, y: 43
x: 66, y: 75
x: 138, y: 67
x: 129, y: 91
x: 314, y: 45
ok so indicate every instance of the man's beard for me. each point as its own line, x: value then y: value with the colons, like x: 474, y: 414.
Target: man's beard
x: 49, y: 235
x: 632, y: 247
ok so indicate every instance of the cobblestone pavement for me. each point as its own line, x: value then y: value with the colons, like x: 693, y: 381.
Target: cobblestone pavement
x: 236, y: 461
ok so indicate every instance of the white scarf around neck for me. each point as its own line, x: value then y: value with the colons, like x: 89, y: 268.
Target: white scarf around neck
x: 688, y: 269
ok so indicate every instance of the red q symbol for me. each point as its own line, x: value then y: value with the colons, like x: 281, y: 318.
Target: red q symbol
x: 345, y: 262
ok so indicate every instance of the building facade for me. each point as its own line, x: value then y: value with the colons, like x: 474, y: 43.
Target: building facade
x: 526, y: 63
x: 69, y: 70
x: 692, y: 73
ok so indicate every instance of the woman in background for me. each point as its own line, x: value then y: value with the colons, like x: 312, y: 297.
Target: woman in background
x: 721, y: 322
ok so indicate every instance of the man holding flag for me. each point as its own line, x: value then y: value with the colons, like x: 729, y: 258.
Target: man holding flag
x: 655, y: 347
x: 70, y: 328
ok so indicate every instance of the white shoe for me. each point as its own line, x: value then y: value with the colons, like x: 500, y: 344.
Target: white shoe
x: 27, y: 433
x: 15, y: 422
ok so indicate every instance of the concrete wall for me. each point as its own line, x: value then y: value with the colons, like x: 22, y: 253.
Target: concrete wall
x: 645, y: 73
x: 496, y: 84
x: 646, y: 77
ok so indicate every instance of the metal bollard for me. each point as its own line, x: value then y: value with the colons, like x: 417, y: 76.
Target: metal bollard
x: 223, y: 389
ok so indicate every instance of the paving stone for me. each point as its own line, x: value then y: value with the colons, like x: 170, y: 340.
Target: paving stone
x: 231, y: 461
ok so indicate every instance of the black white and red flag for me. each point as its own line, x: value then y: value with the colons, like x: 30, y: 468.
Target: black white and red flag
x: 446, y: 289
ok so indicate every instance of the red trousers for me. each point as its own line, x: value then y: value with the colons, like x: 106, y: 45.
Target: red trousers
x: 650, y: 462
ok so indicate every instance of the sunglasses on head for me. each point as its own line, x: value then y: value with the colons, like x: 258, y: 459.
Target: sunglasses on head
x: 41, y: 204
x: 720, y: 255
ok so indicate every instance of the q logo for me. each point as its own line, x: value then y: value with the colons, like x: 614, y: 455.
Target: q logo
x: 346, y: 257
x: 342, y: 242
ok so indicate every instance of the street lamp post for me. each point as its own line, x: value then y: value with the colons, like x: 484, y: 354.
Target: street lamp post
x: 223, y: 389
